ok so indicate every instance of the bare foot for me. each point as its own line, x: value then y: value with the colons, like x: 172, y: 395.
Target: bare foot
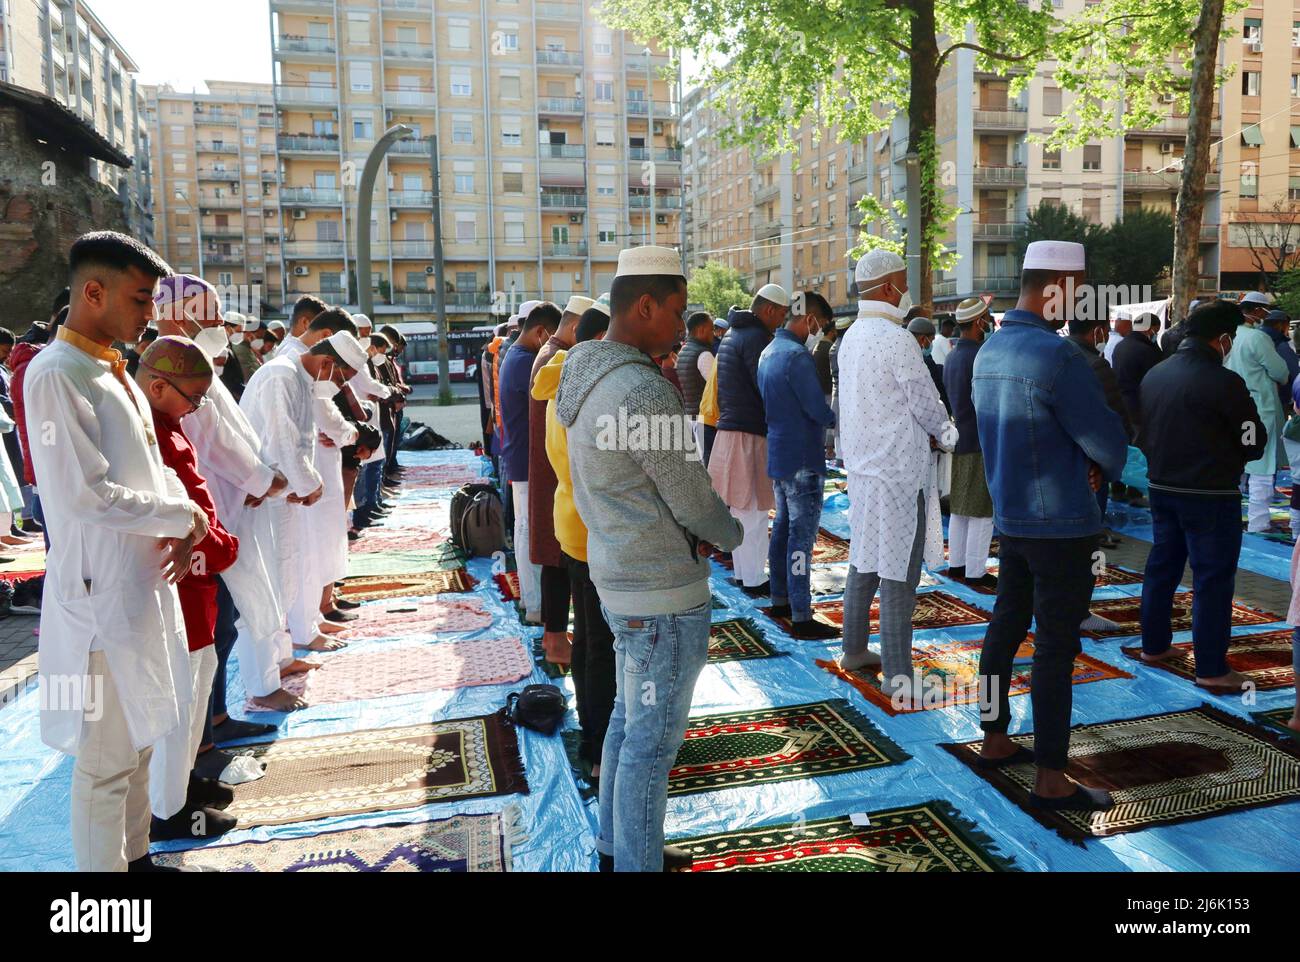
x: 595, y: 771
x: 1049, y: 783
x: 558, y: 646
x: 867, y: 661
x: 321, y: 643
x: 297, y: 667
x: 280, y: 700
x: 1234, y: 680
x: 1294, y: 723
x: 330, y: 627
x: 997, y: 745
x: 1162, y: 656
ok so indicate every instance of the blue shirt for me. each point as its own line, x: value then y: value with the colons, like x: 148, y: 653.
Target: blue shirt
x: 1041, y: 417
x: 516, y: 370
x: 958, y: 369
x: 795, y: 408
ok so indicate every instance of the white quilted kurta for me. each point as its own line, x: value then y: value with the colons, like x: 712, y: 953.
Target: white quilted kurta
x: 889, y: 408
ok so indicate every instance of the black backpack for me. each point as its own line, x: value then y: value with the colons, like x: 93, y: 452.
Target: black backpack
x: 478, y: 520
x: 539, y: 707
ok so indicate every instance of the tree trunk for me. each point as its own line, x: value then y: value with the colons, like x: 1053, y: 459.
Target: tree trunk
x: 924, y: 77
x: 1196, y: 162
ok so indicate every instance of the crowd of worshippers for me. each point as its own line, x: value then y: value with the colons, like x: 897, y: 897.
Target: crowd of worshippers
x: 1035, y: 429
x: 198, y: 489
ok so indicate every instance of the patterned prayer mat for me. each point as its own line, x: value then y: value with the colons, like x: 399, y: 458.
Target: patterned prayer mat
x: 1126, y: 613
x: 27, y: 563
x: 442, y: 475
x: 777, y: 745
x: 463, y: 843
x: 1277, y: 718
x: 508, y: 585
x: 396, y: 563
x: 1264, y: 658
x: 1160, y: 769
x: 951, y: 673
x: 378, y: 587
x: 1112, y: 575
x: 403, y: 620
x: 934, y: 609
x: 410, y: 669
x: 829, y: 548
x: 379, y: 769
x: 738, y: 640
x: 380, y: 540
x: 929, y: 837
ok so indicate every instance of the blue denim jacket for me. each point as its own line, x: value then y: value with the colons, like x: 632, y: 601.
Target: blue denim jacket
x: 1042, y: 417
x: 795, y: 407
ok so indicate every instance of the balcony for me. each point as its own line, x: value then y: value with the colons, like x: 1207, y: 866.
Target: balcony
x: 311, y: 250
x: 225, y: 120
x: 769, y: 260
x: 636, y: 62
x: 216, y: 147
x: 303, y: 6
x: 662, y: 201
x: 422, y: 147
x: 1164, y: 180
x: 664, y: 155
x: 557, y: 11
x: 220, y: 233
x: 223, y: 259
x: 305, y: 46
x: 421, y: 249
x: 307, y: 94
x: 1207, y: 285
x: 765, y: 193
x: 410, y: 198
x: 215, y: 202
x: 563, y: 151
x: 395, y: 50
x: 311, y: 196
x: 1209, y: 233
x: 414, y: 6
x: 990, y: 231
x: 1009, y: 118
x: 860, y: 170
x: 997, y: 284
x: 1175, y: 127
x: 560, y: 106
x: 769, y: 228
x: 664, y: 109
x: 559, y: 58
x: 565, y: 250
x: 410, y: 97
x: 945, y: 288
x: 564, y: 199
x: 303, y: 144
x: 219, y: 174
x: 999, y: 176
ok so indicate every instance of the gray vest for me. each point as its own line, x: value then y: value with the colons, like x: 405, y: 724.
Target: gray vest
x: 688, y: 374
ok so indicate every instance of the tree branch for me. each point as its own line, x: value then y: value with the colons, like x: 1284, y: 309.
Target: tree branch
x: 996, y: 55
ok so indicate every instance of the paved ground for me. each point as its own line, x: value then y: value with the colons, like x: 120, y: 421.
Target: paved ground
x: 17, y: 653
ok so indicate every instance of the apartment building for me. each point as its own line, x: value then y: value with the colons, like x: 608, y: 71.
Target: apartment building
x: 558, y: 146
x: 61, y: 49
x: 217, y: 181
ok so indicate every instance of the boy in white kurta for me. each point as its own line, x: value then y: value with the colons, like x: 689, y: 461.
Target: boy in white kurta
x: 114, y: 665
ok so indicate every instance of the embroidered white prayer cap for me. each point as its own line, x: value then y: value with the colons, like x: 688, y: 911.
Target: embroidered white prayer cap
x: 277, y: 327
x: 251, y: 324
x: 649, y: 261
x: 513, y: 322
x: 845, y: 321
x: 349, y: 349
x: 600, y: 304
x: 875, y: 264
x: 233, y: 319
x: 1054, y: 256
x: 362, y: 322
x: 578, y: 305
x: 1257, y: 297
x: 970, y: 309
x: 774, y: 293
x: 526, y: 308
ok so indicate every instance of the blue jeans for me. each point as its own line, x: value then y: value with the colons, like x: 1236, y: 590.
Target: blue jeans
x: 1206, y: 531
x: 798, y: 513
x: 372, y: 477
x: 657, y: 660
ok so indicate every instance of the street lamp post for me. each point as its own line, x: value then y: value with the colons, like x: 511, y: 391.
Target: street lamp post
x: 365, y: 201
x: 650, y: 138
x: 912, y: 167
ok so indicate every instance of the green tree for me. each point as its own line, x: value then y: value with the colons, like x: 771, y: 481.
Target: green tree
x: 1287, y: 290
x: 1049, y: 221
x: 1138, y: 250
x: 717, y: 286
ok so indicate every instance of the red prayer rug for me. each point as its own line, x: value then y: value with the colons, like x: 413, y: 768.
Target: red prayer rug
x: 410, y: 669
x: 508, y: 585
x: 951, y: 675
x: 929, y: 837
x: 1112, y: 575
x: 827, y: 549
x: 1126, y: 613
x: 402, y: 620
x: 777, y: 745
x: 378, y: 587
x: 934, y: 609
x: 379, y: 769
x: 1160, y: 769
x: 1264, y: 658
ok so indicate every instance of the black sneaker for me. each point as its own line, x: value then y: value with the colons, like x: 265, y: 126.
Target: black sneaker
x: 32, y: 526
x: 146, y: 864
x: 814, y: 630
x: 191, y: 823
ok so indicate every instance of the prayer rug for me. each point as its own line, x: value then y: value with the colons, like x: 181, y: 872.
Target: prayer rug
x: 402, y: 620
x: 410, y: 669
x: 1277, y: 718
x: 463, y: 843
x: 777, y: 745
x: 27, y: 563
x: 993, y: 548
x: 378, y: 770
x: 929, y: 837
x: 1160, y: 769
x: 829, y: 548
x: 375, y: 541
x: 395, y: 563
x: 951, y: 674
x: 738, y: 640
x: 1112, y: 575
x: 550, y: 668
x: 508, y: 585
x: 1126, y: 613
x: 442, y: 475
x: 934, y: 609
x: 1264, y: 658
x: 378, y: 587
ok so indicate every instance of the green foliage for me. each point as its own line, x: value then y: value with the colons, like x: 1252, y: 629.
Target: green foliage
x: 1135, y: 251
x: 1287, y: 290
x: 717, y: 286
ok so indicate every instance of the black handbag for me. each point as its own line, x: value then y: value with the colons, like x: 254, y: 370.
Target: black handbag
x: 539, y: 707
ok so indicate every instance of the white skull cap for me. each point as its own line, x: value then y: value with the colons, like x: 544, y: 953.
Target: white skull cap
x: 873, y: 265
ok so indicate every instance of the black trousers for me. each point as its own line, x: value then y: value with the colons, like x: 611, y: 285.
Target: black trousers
x: 1049, y: 580
x: 227, y: 615
x: 555, y: 598
x: 594, y: 683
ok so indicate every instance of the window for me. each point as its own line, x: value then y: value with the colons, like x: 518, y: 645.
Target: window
x: 464, y: 176
x: 363, y: 127
x: 1052, y: 101
x: 462, y: 129
x: 461, y: 86
x: 359, y: 28
x: 1293, y: 189
x: 514, y: 228
x: 225, y: 278
x: 508, y: 85
x: 604, y: 180
x: 178, y: 163
x: 466, y: 227
x: 331, y: 282
x: 458, y: 34
x: 322, y: 128
x: 1092, y: 210
x: 512, y: 178
x: 1252, y: 32
x: 1092, y: 157
x: 327, y: 230
x: 602, y: 43
x: 250, y: 140
x: 604, y: 135
x: 1249, y: 185
x: 1295, y: 34
x: 1295, y: 85
x: 467, y: 281
x: 417, y: 281
x: 507, y: 39
x: 1051, y: 159
x: 1250, y: 83
x: 605, y: 232
x: 177, y: 136
x: 362, y: 77
x: 605, y: 89
x: 325, y: 180
x: 511, y: 132
x: 408, y: 35
x: 559, y: 234
x: 1252, y: 136
x: 1295, y: 137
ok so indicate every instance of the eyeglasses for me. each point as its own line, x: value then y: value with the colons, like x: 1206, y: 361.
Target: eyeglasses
x: 195, y: 402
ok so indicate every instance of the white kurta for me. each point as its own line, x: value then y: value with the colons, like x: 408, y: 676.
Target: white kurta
x: 367, y: 389
x: 11, y: 495
x: 889, y: 409
x: 107, y: 498
x: 328, y: 517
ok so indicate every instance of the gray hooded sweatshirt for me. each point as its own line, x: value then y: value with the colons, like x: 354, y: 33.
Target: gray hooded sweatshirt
x: 647, y: 505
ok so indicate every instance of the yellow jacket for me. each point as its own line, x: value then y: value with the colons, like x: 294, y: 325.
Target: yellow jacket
x: 569, y: 529
x: 709, y: 411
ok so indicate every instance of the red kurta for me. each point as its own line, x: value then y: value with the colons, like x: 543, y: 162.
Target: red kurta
x: 198, y: 589
x: 543, y: 548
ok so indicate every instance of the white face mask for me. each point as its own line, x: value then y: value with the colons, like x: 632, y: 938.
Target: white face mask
x: 237, y: 338
x: 813, y: 340
x: 324, y: 390
x: 257, y: 344
x: 905, y: 302
x: 212, y: 341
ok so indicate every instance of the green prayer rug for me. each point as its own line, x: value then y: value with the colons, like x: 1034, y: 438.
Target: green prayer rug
x: 1276, y: 718
x: 778, y: 745
x: 738, y: 640
x: 929, y: 837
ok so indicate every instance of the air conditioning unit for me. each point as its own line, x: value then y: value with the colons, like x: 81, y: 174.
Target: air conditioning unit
x: 430, y: 271
x: 661, y: 218
x: 301, y: 271
x: 659, y: 127
x: 1167, y: 147
x: 1168, y: 98
x: 392, y: 215
x: 299, y: 214
x: 1257, y: 46
x: 575, y: 218
x: 798, y: 196
x: 577, y: 277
